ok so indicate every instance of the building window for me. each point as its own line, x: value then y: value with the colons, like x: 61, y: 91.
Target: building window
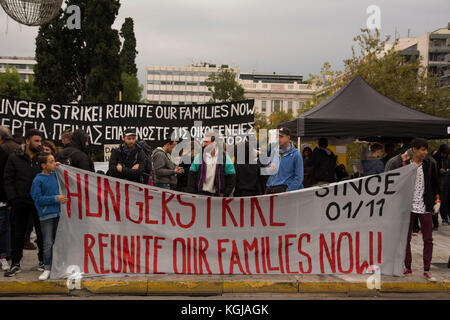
x: 276, y: 105
x: 263, y: 106
x: 289, y: 105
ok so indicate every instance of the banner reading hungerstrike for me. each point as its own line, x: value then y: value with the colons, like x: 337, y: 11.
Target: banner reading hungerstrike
x: 111, y: 227
x: 105, y: 123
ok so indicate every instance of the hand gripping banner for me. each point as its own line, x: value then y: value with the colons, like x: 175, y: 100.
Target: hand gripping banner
x: 112, y: 227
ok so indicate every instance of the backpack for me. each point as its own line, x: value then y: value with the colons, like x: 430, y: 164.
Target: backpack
x: 66, y: 158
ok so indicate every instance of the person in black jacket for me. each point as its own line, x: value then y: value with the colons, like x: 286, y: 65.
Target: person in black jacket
x: 147, y: 172
x: 5, y: 217
x: 129, y: 160
x: 248, y: 173
x: 20, y: 170
x: 443, y: 167
x: 324, y: 162
x: 75, y: 154
x: 426, y: 200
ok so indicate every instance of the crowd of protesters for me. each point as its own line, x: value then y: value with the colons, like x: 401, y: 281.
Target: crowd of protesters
x: 29, y: 192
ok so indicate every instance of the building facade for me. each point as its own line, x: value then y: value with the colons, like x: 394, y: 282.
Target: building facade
x: 23, y: 65
x: 186, y: 85
x: 434, y: 49
x: 180, y: 85
x: 275, y: 92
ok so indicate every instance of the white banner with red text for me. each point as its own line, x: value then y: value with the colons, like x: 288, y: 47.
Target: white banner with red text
x: 113, y: 227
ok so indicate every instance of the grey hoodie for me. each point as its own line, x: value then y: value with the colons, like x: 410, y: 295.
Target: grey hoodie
x: 163, y: 167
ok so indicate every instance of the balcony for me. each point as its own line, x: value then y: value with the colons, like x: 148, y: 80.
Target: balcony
x: 438, y: 63
x: 440, y: 49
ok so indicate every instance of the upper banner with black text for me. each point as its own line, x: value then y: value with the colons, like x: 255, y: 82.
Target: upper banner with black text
x: 105, y: 123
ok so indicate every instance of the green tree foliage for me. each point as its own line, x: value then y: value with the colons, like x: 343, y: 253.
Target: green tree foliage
x: 272, y: 121
x: 128, y: 52
x: 80, y: 64
x: 103, y: 45
x: 132, y: 91
x: 224, y: 86
x: 62, y: 59
x: 406, y: 82
x: 279, y: 117
x: 12, y: 85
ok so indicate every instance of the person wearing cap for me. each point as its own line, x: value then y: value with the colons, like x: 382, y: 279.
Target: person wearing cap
x: 129, y: 160
x: 286, y: 168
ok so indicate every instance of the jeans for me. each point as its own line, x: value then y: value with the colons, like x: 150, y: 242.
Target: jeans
x: 162, y: 185
x: 20, y: 215
x: 49, y: 228
x: 5, y: 232
x: 426, y: 223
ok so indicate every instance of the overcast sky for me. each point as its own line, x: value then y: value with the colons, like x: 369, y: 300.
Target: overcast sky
x: 283, y: 36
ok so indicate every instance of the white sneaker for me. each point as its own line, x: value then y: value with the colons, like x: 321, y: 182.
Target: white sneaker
x: 45, y: 275
x: 5, y: 264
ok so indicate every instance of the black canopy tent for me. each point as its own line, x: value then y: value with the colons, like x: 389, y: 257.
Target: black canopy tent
x: 358, y: 111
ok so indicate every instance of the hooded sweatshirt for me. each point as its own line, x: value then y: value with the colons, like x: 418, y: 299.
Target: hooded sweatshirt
x: 77, y: 152
x: 44, y: 192
x: 290, y: 169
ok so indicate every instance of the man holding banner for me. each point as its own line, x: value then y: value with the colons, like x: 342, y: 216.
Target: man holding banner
x: 423, y: 205
x: 289, y: 165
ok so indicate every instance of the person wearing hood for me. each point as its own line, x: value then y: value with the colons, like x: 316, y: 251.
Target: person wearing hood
x: 76, y: 154
x: 147, y: 172
x: 128, y: 161
x: 324, y: 163
x: 373, y: 164
x: 20, y: 170
x: 287, y: 167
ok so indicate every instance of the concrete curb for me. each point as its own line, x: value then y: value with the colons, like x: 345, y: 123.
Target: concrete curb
x: 189, y: 288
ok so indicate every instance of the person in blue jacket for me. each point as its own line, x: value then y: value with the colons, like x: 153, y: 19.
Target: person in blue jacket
x: 286, y: 168
x: 47, y: 199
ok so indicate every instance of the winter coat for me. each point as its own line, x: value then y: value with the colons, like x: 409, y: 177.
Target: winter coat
x: 77, y: 152
x: 127, y: 160
x: 20, y: 171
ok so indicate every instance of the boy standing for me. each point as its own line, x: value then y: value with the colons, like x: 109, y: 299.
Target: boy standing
x: 45, y: 193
